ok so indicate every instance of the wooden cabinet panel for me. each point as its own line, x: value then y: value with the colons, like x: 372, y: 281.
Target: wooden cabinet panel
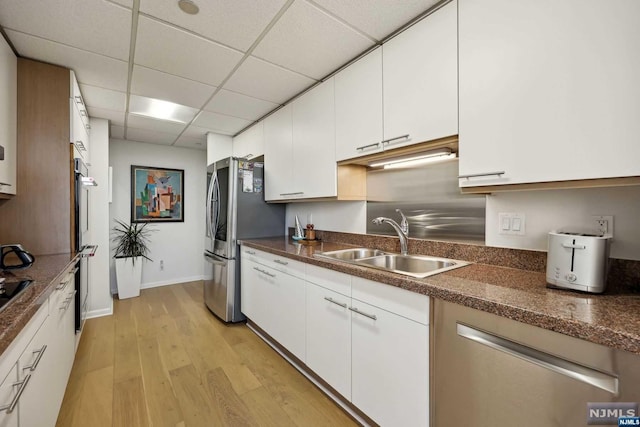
x: 8, y: 119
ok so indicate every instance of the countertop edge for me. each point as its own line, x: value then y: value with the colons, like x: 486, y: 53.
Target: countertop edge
x: 602, y: 335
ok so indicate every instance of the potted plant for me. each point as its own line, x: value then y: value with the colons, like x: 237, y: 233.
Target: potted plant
x: 131, y: 247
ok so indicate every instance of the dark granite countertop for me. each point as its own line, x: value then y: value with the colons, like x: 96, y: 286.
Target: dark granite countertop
x: 611, y: 319
x: 16, y: 314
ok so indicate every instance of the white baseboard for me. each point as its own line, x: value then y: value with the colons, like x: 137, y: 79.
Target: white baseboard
x: 101, y: 312
x: 171, y: 282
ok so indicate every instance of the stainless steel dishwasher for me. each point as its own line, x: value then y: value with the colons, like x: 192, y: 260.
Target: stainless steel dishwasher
x: 492, y: 371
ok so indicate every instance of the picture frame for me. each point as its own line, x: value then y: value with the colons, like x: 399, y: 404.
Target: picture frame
x: 157, y: 194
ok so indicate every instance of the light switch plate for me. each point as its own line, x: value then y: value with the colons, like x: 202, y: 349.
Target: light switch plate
x: 511, y: 223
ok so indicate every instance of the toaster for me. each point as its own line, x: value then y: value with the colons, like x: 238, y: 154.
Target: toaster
x: 578, y: 260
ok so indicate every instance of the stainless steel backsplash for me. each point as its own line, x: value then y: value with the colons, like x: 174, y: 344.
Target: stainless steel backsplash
x: 430, y: 198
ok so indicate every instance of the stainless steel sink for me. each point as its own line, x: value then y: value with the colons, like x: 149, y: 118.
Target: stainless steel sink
x: 412, y: 265
x: 418, y: 266
x: 351, y: 254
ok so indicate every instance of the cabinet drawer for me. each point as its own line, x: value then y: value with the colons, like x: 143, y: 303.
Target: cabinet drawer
x: 334, y: 280
x: 277, y: 262
x: 395, y: 300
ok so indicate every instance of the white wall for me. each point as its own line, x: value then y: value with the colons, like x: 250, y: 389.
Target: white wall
x: 179, y: 244
x: 218, y: 147
x: 100, y: 301
x: 552, y: 209
x: 346, y: 217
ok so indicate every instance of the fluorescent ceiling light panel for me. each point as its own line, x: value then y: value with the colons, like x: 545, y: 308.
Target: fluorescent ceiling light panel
x: 415, y: 159
x: 161, y: 110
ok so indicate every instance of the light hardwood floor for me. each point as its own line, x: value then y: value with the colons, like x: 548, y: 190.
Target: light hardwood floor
x: 164, y: 360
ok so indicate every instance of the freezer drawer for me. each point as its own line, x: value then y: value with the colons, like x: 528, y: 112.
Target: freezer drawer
x: 493, y: 371
x: 221, y: 290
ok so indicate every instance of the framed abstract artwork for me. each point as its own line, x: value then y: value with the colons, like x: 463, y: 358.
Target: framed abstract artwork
x: 157, y: 194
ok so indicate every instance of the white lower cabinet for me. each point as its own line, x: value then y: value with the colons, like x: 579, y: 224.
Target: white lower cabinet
x: 329, y: 337
x: 367, y: 340
x: 8, y: 390
x: 275, y: 301
x: 390, y: 366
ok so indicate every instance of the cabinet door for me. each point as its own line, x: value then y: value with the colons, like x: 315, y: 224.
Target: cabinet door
x: 250, y: 142
x: 314, y: 155
x: 359, y: 107
x: 278, y: 156
x: 549, y: 90
x: 7, y: 394
x: 8, y: 118
x: 420, y: 80
x: 390, y: 367
x: 37, y: 405
x: 329, y: 337
x: 251, y: 294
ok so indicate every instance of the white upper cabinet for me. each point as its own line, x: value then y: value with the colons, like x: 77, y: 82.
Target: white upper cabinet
x: 80, y: 127
x: 8, y: 118
x: 548, y: 90
x: 420, y: 81
x: 299, y: 147
x: 359, y: 107
x: 250, y: 142
x: 314, y: 152
x: 278, y: 155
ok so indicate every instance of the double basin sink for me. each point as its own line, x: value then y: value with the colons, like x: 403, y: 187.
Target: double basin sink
x: 418, y: 266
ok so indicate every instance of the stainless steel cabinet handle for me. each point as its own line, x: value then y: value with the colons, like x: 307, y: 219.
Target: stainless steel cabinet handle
x: 292, y: 194
x: 11, y: 406
x: 83, y: 113
x: 250, y: 252
x: 571, y: 246
x: 34, y: 365
x: 264, y: 272
x: 473, y: 175
x: 388, y: 141
x: 375, y: 144
x: 78, y: 99
x: 331, y: 300
x: 277, y: 261
x: 570, y: 369
x: 370, y: 316
x: 4, y: 183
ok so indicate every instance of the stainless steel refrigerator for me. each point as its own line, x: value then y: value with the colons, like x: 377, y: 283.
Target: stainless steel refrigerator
x: 235, y: 210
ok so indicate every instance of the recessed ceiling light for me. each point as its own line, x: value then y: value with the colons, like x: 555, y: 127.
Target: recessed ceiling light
x: 159, y: 109
x: 188, y: 6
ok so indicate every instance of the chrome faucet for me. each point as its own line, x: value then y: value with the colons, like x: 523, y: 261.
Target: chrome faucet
x: 402, y: 229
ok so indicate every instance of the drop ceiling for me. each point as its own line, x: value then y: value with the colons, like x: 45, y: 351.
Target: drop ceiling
x: 232, y: 63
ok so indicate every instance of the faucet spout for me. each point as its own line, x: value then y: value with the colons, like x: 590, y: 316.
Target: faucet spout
x: 401, y: 229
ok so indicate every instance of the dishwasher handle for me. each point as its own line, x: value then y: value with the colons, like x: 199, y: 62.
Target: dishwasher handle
x: 556, y: 364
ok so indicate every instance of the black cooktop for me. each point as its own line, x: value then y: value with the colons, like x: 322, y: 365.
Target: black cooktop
x: 10, y: 288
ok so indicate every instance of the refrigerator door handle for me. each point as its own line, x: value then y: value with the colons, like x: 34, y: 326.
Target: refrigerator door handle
x: 209, y: 203
x: 215, y: 258
x: 217, y: 202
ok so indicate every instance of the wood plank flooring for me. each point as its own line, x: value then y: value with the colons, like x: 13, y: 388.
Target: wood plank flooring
x: 164, y: 360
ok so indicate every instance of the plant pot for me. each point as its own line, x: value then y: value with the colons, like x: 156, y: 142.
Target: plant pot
x: 128, y: 276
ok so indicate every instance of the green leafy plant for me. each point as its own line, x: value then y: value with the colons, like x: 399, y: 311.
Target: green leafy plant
x: 132, y: 240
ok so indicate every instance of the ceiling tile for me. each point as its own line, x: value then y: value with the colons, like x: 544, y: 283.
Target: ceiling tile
x: 220, y: 123
x: 150, y: 136
x: 235, y: 23
x: 377, y: 19
x: 140, y: 122
x: 166, y: 48
x: 195, y: 143
x: 103, y: 98
x: 125, y: 3
x: 311, y: 42
x: 115, y: 117
x: 116, y: 132
x: 263, y: 80
x: 238, y: 105
x: 90, y: 68
x: 196, y: 132
x: 93, y: 25
x: 159, y: 85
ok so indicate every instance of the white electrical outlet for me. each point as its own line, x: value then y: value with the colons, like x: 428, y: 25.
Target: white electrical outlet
x: 161, y: 265
x: 603, y: 224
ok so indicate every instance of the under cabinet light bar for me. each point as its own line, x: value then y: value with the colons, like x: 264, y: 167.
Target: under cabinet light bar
x: 415, y: 159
